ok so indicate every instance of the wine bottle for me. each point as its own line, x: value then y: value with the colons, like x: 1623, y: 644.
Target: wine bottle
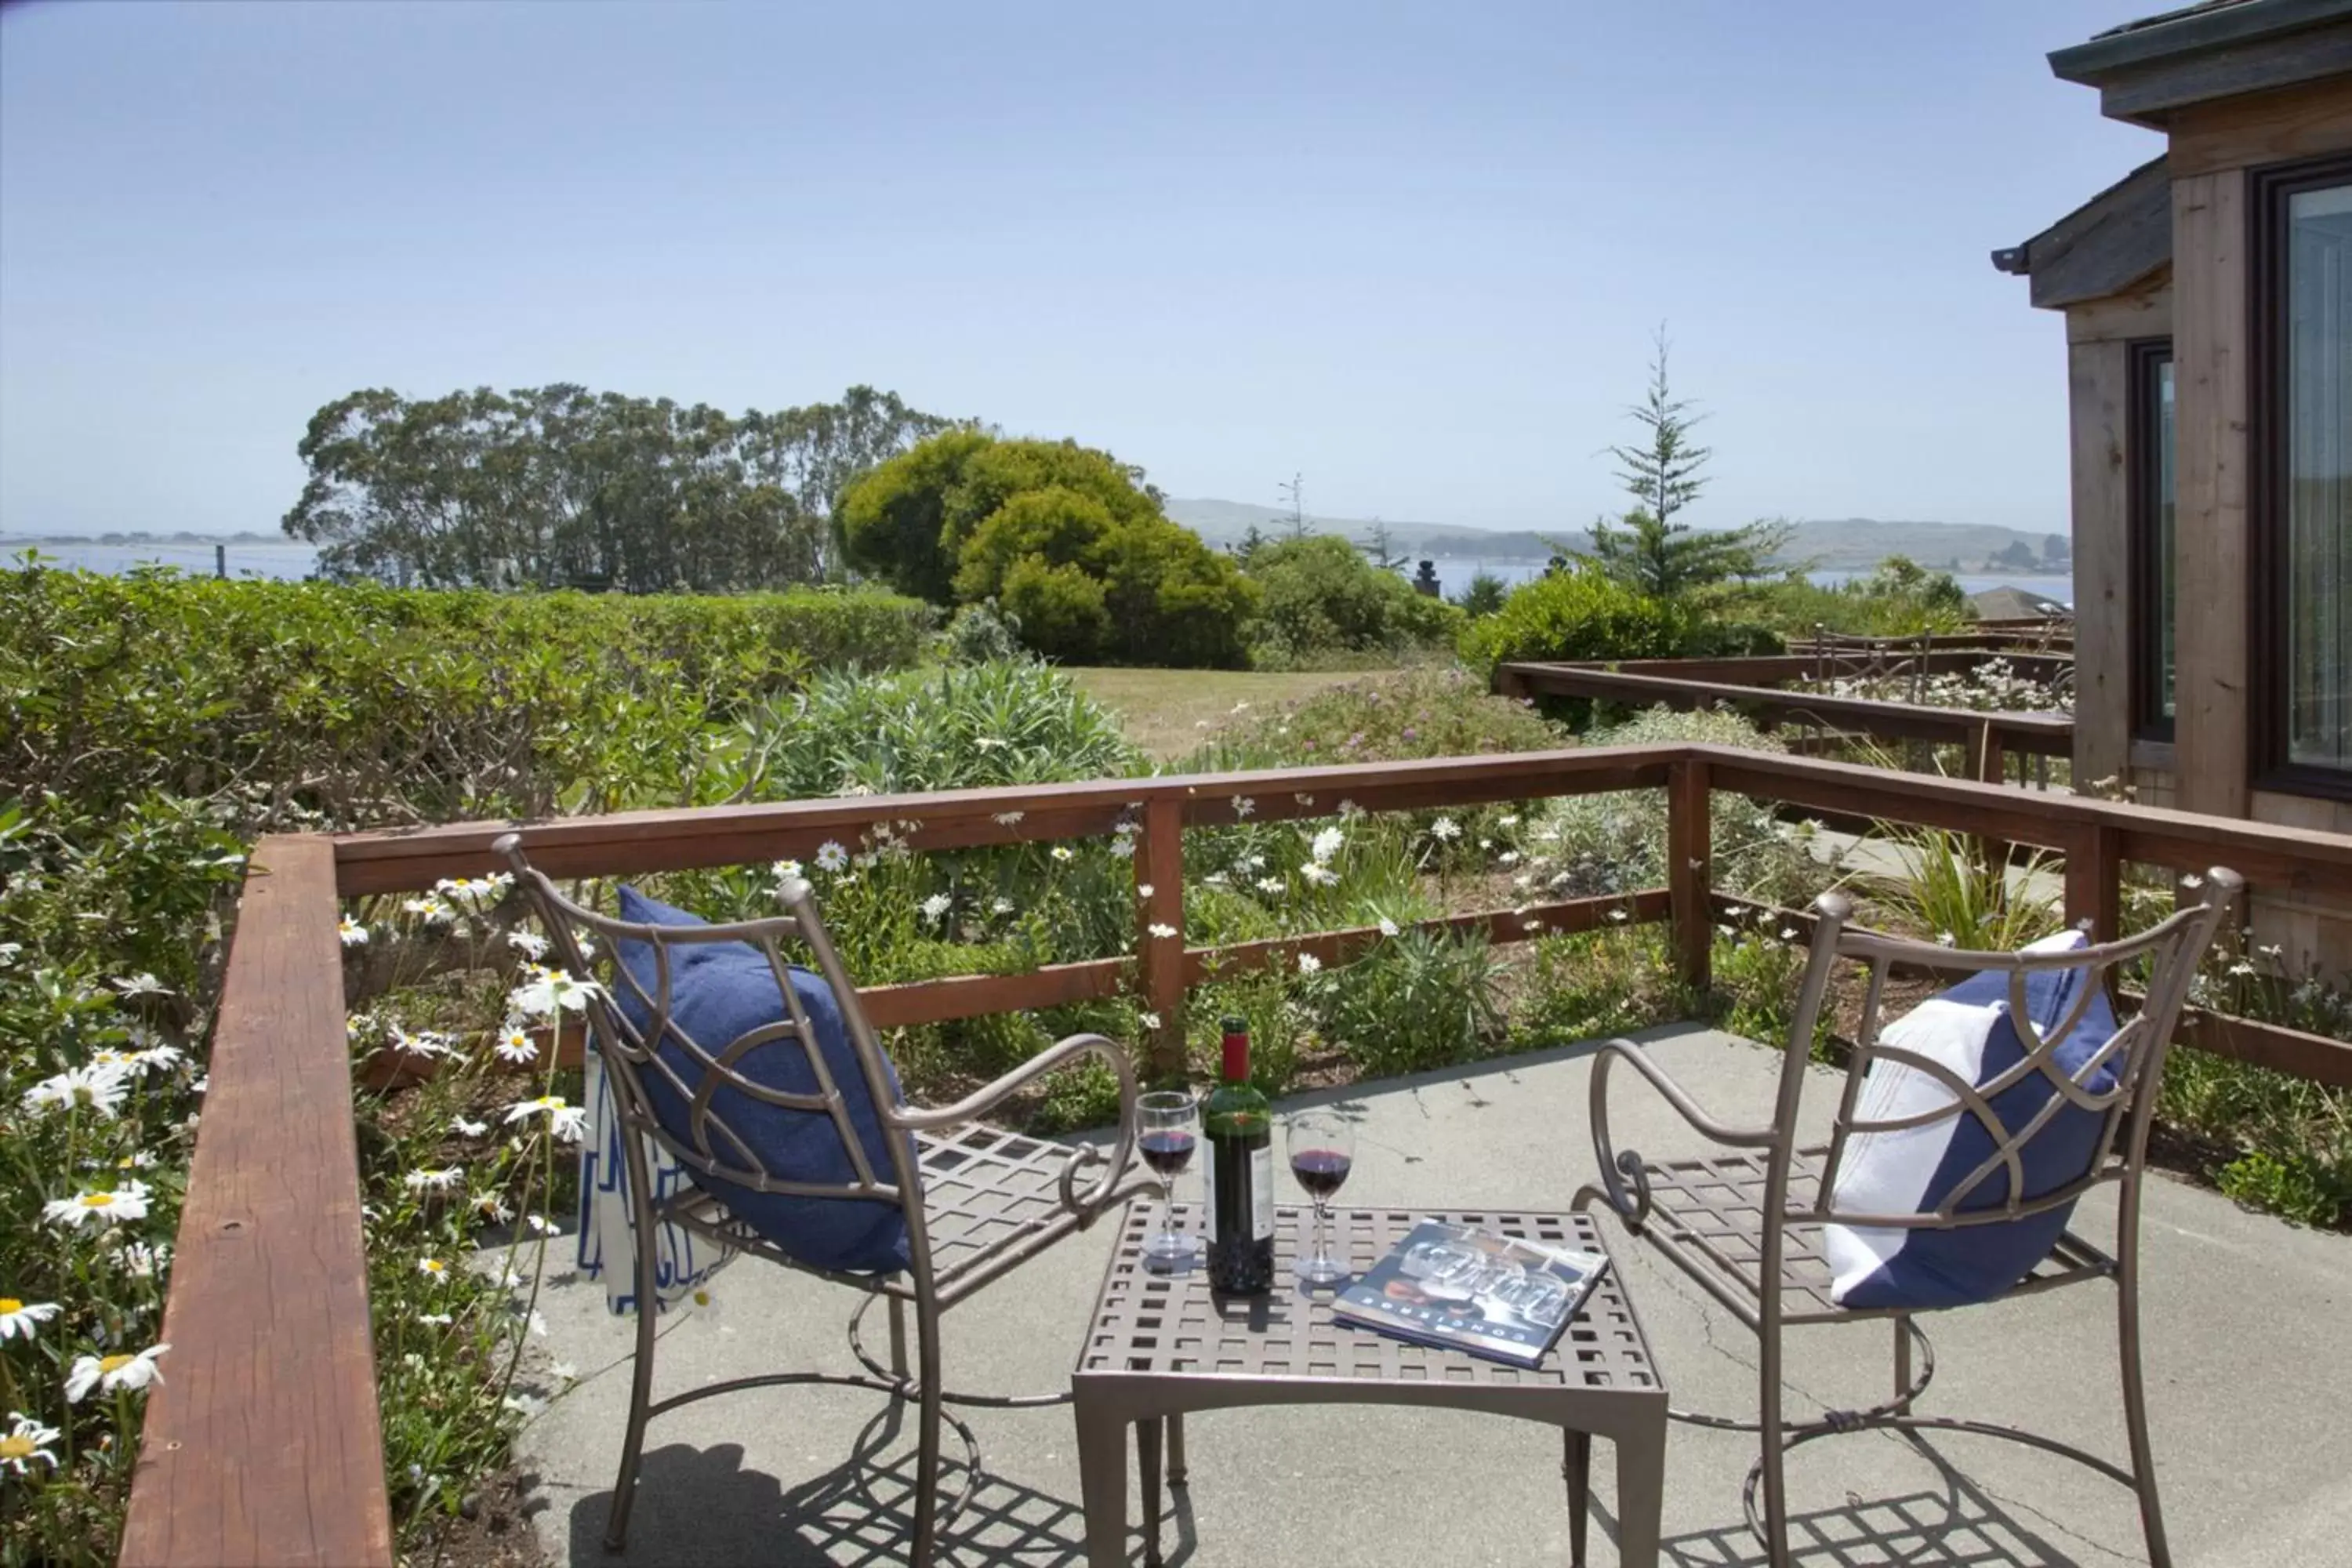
x: 1240, y: 1129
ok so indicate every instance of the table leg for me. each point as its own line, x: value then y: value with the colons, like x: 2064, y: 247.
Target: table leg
x: 1576, y: 1466
x: 1177, y: 1474
x: 1641, y: 1495
x: 1102, y: 1484
x: 1147, y: 1454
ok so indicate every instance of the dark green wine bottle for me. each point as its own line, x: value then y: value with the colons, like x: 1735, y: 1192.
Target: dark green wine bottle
x: 1240, y: 1129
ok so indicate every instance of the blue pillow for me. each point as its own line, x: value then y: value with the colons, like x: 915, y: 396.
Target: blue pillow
x: 719, y: 991
x: 1968, y: 1029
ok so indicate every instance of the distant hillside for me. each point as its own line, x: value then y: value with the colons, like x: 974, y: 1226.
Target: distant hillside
x: 1851, y: 543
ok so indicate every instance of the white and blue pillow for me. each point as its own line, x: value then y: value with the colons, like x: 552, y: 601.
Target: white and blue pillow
x: 1966, y: 1029
x: 719, y: 991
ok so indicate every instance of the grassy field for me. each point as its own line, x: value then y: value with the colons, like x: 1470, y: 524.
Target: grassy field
x: 1167, y: 712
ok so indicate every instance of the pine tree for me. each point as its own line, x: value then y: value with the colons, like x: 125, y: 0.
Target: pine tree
x: 1647, y: 550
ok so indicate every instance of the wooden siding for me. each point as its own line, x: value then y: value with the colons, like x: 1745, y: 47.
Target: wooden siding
x: 2306, y: 121
x: 2209, y: 367
x: 2099, y: 399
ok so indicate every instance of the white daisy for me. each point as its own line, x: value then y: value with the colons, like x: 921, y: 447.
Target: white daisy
x: 549, y: 990
x: 530, y: 943
x: 432, y: 1268
x: 1061, y: 852
x: 1122, y: 848
x: 1148, y: 1020
x: 113, y: 1374
x: 494, y: 1207
x: 146, y: 984
x: 439, y: 1181
x: 1000, y: 907
x: 1445, y: 828
x: 540, y: 1223
x: 1309, y: 964
x: 1009, y: 818
x: 25, y: 1441
x: 435, y: 911
x: 786, y: 871
x: 1348, y: 808
x: 352, y: 932
x: 161, y: 1056
x: 565, y: 1120
x: 1387, y: 926
x: 1327, y: 843
x: 466, y: 1127
x: 23, y: 1317
x: 98, y: 1087
x: 425, y: 1043
x: 514, y: 1043
x: 935, y: 906
x: 1161, y: 930
x: 1143, y: 889
x: 1244, y: 806
x: 832, y: 857
x: 1273, y: 885
x: 125, y: 1203
x: 1319, y: 875
x: 435, y: 1320
x: 137, y: 1259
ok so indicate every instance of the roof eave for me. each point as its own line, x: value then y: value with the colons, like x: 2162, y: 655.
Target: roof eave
x: 2146, y: 71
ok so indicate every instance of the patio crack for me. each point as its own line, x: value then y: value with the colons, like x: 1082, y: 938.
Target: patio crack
x: 2021, y: 1506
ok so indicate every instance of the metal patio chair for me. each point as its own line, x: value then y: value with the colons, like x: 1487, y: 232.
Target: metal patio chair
x: 977, y: 1200
x: 1748, y: 1226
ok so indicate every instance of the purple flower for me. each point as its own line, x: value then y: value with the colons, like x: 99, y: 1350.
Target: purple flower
x: 1410, y: 733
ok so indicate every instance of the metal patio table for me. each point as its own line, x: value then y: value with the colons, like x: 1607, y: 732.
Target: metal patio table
x: 1160, y: 1346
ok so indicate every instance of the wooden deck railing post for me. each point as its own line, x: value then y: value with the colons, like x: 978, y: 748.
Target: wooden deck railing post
x: 2094, y: 880
x: 1159, y: 866
x: 1689, y: 855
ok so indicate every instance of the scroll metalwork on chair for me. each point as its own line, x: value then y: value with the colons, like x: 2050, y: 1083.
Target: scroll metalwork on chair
x: 1964, y: 1135
x: 801, y: 1149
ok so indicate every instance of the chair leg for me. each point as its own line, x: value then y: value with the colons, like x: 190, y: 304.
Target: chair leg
x: 2143, y: 1460
x: 1902, y: 1355
x: 641, y: 1388
x: 927, y: 1451
x: 1576, y: 1469
x: 1773, y: 1456
x: 898, y: 1339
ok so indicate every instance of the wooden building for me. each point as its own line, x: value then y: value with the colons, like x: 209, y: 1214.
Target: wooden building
x: 2208, y: 299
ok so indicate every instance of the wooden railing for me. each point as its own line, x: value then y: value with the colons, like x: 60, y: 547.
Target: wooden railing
x: 1988, y: 741
x: 264, y: 1447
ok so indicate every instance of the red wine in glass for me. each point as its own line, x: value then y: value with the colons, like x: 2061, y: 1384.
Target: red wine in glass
x: 1169, y: 1151
x: 1319, y: 1171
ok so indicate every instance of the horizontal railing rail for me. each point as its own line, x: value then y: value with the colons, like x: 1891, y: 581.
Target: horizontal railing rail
x: 264, y: 1447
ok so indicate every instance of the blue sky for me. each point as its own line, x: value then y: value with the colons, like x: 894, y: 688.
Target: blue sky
x: 1415, y: 253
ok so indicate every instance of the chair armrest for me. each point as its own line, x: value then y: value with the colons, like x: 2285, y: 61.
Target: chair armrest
x: 1061, y: 1054
x: 1622, y: 1183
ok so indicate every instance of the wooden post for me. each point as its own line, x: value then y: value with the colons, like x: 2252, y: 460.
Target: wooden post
x: 2094, y: 881
x: 1689, y: 836
x: 1159, y: 866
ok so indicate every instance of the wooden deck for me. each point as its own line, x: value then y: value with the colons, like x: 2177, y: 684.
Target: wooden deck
x: 264, y: 1446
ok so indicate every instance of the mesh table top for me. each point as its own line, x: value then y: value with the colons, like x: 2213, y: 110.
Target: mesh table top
x: 1171, y: 1325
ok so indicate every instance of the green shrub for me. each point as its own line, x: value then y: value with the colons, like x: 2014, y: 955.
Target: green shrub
x: 1483, y: 596
x: 982, y: 634
x: 1898, y: 599
x: 1576, y: 612
x: 1422, y: 999
x: 1586, y: 985
x: 1319, y: 595
x: 349, y: 706
x: 1616, y: 843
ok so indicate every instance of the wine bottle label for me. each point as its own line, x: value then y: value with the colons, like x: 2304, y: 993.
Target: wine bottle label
x: 1262, y: 1194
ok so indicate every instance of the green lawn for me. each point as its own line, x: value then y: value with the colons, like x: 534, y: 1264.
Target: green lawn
x: 1167, y: 711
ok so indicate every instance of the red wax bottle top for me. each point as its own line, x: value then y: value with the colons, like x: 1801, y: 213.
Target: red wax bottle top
x: 1236, y: 1050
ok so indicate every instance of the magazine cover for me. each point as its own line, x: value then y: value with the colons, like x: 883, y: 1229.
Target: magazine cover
x: 1489, y: 1295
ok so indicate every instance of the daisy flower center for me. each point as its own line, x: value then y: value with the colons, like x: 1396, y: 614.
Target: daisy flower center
x: 116, y: 1363
x: 95, y: 1200
x: 15, y: 1448
x: 9, y: 1304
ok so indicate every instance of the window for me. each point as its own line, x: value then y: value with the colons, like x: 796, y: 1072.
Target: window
x: 2303, y: 428
x: 2149, y: 501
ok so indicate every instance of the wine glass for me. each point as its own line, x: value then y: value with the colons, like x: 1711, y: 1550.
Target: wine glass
x: 1169, y: 1129
x: 1322, y: 1148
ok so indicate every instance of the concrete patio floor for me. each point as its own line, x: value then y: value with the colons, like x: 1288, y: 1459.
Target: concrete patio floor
x: 2248, y: 1326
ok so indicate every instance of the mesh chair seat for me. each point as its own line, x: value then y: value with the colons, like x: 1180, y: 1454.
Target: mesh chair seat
x: 1708, y: 1214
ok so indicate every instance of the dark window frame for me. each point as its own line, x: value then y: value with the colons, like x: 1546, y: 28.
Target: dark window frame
x: 2144, y: 357
x: 2268, y: 190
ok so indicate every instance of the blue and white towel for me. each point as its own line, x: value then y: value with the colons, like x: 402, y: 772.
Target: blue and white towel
x: 608, y: 1235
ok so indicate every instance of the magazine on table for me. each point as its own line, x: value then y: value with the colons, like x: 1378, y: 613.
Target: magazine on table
x: 1490, y: 1295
